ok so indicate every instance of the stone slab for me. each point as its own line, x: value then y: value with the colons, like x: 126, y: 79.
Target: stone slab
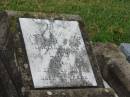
x: 6, y: 84
x: 114, y: 67
x: 3, y: 30
x: 56, y: 53
x: 125, y: 48
x: 89, y: 92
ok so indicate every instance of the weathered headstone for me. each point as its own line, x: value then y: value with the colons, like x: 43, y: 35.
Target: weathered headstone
x: 125, y: 48
x: 56, y: 53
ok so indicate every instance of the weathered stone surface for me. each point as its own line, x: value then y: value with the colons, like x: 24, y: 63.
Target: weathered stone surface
x: 4, y: 25
x: 6, y: 84
x: 125, y: 48
x: 56, y: 53
x: 20, y: 49
x: 115, y: 69
x: 90, y: 92
x: 43, y: 15
x: 7, y: 52
x: 106, y: 85
x: 7, y: 57
x: 23, y: 66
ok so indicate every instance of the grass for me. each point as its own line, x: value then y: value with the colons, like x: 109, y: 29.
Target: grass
x: 105, y: 20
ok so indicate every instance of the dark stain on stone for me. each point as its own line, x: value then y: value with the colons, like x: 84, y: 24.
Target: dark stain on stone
x: 74, y: 42
x: 55, y: 64
x: 80, y: 60
x: 81, y: 65
x: 42, y: 41
x: 65, y: 41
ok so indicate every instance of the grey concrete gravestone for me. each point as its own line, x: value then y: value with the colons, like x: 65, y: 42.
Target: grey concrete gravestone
x: 56, y: 53
x: 125, y: 48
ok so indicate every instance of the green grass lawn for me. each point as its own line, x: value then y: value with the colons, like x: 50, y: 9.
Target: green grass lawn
x: 105, y: 20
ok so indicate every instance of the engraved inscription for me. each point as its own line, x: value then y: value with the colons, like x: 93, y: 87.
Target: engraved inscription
x: 57, y: 54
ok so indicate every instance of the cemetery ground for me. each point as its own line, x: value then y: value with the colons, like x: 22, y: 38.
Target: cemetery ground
x: 105, y: 20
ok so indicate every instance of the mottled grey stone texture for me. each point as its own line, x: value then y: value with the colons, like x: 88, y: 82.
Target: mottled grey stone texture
x: 114, y: 67
x: 125, y: 48
x: 7, y: 87
x: 56, y: 53
x: 90, y: 92
x: 4, y: 25
x: 23, y: 66
x: 9, y: 75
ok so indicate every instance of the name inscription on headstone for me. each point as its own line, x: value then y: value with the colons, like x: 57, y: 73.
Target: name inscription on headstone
x: 56, y: 53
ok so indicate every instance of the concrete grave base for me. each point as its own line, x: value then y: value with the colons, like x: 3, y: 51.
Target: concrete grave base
x: 90, y: 92
x: 21, y: 56
x: 19, y: 73
x: 114, y: 67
